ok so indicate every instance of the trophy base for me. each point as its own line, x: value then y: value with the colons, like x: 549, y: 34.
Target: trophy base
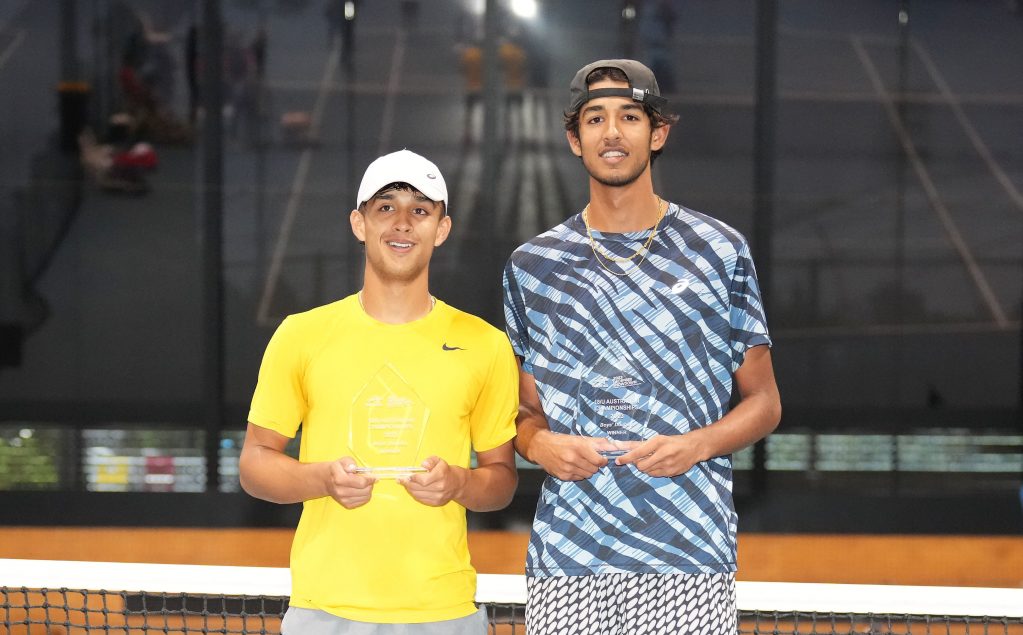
x: 611, y: 454
x: 390, y: 472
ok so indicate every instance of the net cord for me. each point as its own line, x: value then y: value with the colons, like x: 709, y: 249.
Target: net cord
x: 511, y: 589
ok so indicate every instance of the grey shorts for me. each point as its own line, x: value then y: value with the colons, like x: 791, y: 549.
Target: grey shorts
x: 299, y: 621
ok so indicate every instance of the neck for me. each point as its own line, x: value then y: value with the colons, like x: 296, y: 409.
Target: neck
x: 394, y: 303
x: 622, y: 210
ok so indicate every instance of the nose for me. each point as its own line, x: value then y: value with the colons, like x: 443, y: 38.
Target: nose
x: 402, y: 223
x: 611, y: 131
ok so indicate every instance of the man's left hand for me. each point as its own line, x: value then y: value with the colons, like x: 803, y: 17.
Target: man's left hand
x: 664, y: 455
x: 440, y: 484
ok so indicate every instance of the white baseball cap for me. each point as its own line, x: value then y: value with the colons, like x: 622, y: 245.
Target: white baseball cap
x: 403, y: 166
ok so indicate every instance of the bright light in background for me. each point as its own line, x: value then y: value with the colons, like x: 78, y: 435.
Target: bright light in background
x: 525, y: 9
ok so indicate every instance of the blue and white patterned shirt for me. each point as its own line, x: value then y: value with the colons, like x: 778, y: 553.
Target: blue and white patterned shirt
x: 682, y: 321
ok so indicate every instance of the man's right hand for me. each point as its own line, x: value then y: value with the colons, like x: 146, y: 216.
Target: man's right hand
x: 349, y: 489
x: 566, y: 456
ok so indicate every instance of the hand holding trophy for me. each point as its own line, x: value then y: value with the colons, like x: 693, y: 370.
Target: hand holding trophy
x: 387, y: 424
x: 614, y: 401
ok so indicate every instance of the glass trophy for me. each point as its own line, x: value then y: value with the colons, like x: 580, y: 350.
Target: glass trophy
x: 387, y: 423
x: 615, y: 398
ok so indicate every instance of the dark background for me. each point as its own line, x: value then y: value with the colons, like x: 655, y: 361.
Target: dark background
x: 869, y: 149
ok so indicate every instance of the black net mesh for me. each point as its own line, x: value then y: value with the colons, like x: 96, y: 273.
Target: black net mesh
x: 795, y: 623
x: 25, y: 611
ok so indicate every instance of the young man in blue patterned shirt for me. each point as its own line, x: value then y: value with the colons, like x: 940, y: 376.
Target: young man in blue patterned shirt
x: 633, y: 321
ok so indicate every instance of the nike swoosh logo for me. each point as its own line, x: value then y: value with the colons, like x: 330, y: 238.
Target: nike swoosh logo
x: 451, y: 348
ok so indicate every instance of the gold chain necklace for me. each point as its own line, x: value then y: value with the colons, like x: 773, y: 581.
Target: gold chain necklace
x: 644, y: 249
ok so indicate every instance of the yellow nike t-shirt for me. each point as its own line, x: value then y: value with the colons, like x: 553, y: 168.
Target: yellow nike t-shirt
x: 392, y: 560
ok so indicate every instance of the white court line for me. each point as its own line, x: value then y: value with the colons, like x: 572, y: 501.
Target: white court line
x: 393, y: 84
x: 13, y: 46
x: 263, y: 317
x: 971, y: 132
x: 958, y: 242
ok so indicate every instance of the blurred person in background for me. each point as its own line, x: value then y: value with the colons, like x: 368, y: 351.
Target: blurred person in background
x: 471, y: 62
x: 513, y: 74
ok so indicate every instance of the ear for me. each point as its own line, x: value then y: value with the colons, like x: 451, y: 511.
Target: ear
x: 659, y: 136
x: 573, y: 143
x: 358, y: 222
x: 443, y: 229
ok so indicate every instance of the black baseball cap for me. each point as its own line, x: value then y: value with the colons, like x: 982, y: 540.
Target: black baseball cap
x: 642, y: 85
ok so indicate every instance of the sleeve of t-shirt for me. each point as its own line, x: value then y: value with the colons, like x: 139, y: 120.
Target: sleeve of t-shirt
x: 492, y: 422
x: 515, y: 316
x: 279, y: 402
x: 746, y: 315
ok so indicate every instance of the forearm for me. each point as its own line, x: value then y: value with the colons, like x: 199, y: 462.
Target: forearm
x: 488, y: 488
x: 276, y: 477
x: 527, y: 425
x: 752, y: 419
x: 756, y: 415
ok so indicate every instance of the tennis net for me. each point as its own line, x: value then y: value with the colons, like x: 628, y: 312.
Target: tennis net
x: 49, y: 597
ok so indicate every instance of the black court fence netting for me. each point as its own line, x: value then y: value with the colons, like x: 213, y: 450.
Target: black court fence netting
x: 48, y: 597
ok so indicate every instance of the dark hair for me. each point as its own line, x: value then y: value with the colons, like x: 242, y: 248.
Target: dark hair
x: 657, y: 119
x: 404, y: 187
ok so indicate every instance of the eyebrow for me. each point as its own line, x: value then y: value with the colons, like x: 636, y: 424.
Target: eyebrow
x: 600, y: 107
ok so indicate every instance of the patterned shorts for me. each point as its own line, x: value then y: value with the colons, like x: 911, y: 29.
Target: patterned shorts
x: 632, y: 604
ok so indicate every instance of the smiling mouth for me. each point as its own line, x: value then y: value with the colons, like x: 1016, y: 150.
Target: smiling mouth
x: 399, y: 244
x: 613, y: 154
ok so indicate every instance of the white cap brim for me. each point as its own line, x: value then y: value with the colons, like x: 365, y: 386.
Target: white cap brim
x: 403, y: 166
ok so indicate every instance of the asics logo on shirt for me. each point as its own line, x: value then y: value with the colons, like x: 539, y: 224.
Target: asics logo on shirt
x: 680, y: 286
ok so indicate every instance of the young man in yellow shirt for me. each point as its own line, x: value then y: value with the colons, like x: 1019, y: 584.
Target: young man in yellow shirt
x: 380, y: 551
